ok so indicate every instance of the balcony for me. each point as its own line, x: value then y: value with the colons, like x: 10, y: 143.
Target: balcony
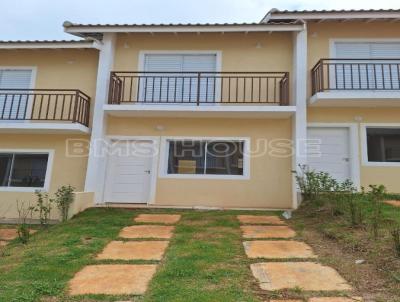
x: 356, y: 83
x: 50, y: 110
x: 199, y: 94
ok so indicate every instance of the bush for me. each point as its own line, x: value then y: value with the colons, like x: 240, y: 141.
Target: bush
x: 24, y: 211
x: 395, y: 232
x: 64, y: 199
x: 376, y: 197
x: 43, y: 207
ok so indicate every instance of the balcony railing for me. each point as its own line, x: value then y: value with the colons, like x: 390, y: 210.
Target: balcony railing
x: 356, y: 74
x: 62, y: 105
x: 199, y: 88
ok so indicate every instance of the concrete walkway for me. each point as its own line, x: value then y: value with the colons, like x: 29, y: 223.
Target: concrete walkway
x: 287, y: 263
x: 128, y: 278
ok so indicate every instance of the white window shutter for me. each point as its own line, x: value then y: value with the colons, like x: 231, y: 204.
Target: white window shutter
x: 13, y: 106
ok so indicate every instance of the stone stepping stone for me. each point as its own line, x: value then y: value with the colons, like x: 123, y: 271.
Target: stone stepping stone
x: 338, y: 299
x: 264, y: 231
x: 254, y: 219
x: 158, y: 218
x: 134, y: 250
x: 395, y: 203
x: 120, y: 279
x: 147, y: 231
x: 11, y: 234
x: 305, y: 275
x: 279, y: 249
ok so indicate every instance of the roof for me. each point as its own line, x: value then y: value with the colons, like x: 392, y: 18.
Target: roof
x: 276, y: 15
x: 46, y: 44
x: 96, y: 30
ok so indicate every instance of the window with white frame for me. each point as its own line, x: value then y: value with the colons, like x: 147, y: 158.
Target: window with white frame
x: 383, y: 144
x: 206, y: 157
x: 23, y: 169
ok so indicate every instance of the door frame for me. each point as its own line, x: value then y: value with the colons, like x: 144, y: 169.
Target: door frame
x: 354, y: 145
x: 155, y: 140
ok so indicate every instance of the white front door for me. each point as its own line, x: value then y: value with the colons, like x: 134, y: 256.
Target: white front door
x: 333, y: 155
x: 128, y: 177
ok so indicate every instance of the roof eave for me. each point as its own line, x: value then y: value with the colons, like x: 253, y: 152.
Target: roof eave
x: 333, y: 15
x: 49, y: 45
x: 82, y: 30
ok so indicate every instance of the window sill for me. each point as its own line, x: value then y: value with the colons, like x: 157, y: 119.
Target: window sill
x: 382, y: 164
x: 202, y: 176
x: 21, y: 189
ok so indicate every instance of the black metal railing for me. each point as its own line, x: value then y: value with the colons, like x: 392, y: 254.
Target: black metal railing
x: 65, y: 105
x: 355, y: 74
x: 199, y: 88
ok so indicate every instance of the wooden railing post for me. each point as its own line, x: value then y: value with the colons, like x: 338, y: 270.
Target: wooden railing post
x: 198, y: 88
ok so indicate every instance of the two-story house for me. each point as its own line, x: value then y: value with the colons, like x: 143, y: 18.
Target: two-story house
x: 202, y: 115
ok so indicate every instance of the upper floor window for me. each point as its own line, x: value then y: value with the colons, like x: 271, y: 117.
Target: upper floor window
x: 14, y: 108
x: 23, y: 169
x: 172, y: 77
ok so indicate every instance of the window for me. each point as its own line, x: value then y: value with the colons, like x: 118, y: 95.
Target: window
x: 383, y: 144
x: 23, y: 170
x: 206, y: 157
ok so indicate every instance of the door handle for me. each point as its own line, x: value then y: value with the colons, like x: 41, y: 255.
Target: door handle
x: 346, y: 159
x: 147, y: 171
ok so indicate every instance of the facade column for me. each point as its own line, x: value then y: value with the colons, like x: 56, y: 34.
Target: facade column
x: 299, y: 93
x: 95, y: 172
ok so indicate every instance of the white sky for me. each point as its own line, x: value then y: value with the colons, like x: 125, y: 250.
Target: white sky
x: 42, y: 19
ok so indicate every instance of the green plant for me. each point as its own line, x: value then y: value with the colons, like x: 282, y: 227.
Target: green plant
x: 376, y: 196
x: 64, y: 199
x: 43, y: 207
x: 24, y: 211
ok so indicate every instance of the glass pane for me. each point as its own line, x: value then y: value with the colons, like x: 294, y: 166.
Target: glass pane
x: 29, y: 170
x: 5, y: 165
x: 225, y: 158
x: 186, y: 157
x: 383, y: 144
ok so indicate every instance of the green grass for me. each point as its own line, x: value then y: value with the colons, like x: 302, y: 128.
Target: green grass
x: 204, y: 262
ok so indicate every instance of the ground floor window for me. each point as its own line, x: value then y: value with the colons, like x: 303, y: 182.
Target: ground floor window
x: 23, y: 169
x: 383, y: 144
x: 206, y: 157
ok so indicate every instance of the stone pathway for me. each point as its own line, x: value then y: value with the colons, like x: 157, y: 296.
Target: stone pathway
x: 297, y: 266
x: 127, y: 279
x: 395, y: 203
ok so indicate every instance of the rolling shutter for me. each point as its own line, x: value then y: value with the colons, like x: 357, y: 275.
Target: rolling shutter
x: 180, y: 87
x: 381, y: 75
x: 12, y: 107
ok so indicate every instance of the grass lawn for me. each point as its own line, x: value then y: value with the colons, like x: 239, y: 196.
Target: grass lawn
x: 204, y: 262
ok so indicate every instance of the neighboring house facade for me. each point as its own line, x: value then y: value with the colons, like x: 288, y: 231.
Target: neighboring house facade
x: 210, y: 111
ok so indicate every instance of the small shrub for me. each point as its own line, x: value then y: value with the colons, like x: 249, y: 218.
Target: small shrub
x: 43, y: 207
x: 376, y: 196
x: 64, y: 199
x: 24, y: 211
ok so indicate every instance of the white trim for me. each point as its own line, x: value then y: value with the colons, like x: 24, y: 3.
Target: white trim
x: 29, y: 126
x: 164, y: 152
x: 354, y: 146
x: 334, y: 15
x: 154, y: 164
x: 364, y: 148
x: 48, y: 45
x: 49, y: 169
x: 332, y: 49
x: 81, y: 29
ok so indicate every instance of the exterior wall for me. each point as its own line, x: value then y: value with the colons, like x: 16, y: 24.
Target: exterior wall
x: 319, y: 35
x: 270, y: 177
x: 389, y: 176
x: 65, y: 170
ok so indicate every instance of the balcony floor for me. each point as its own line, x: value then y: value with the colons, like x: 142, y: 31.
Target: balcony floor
x: 354, y: 98
x: 203, y: 111
x: 42, y: 127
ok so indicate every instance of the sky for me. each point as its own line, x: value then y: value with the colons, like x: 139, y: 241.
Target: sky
x: 42, y: 19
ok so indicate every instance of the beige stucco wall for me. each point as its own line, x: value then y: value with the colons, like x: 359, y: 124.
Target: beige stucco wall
x: 65, y: 170
x: 269, y: 185
x: 389, y: 176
